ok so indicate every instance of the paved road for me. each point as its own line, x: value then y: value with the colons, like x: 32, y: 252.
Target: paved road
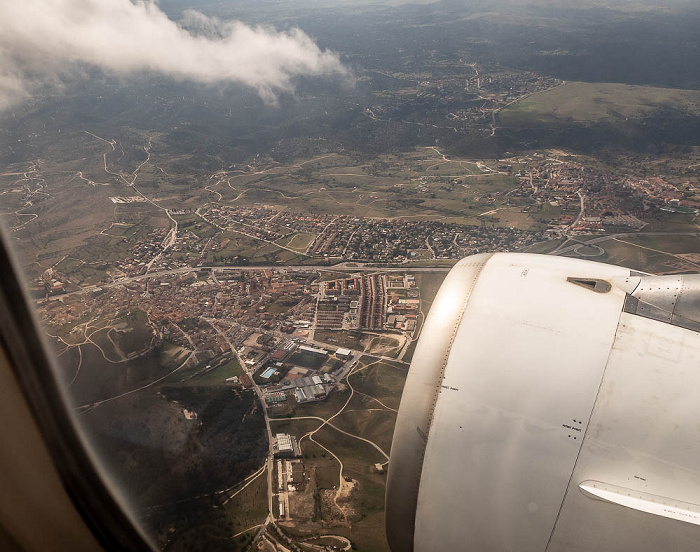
x: 578, y: 243
x: 263, y: 404
x: 342, y: 267
x: 581, y: 211
x: 349, y: 266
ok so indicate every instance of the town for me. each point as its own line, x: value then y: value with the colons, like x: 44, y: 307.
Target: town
x: 281, y: 324
x: 290, y: 335
x: 572, y: 198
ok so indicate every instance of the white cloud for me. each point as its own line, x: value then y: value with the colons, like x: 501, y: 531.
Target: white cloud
x: 40, y: 39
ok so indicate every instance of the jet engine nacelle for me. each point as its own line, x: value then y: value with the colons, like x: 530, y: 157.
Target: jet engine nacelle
x: 552, y: 404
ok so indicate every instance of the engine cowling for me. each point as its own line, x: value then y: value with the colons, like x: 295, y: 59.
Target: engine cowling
x: 551, y: 404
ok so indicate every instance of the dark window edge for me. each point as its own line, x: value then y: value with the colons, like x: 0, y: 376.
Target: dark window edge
x: 35, y: 371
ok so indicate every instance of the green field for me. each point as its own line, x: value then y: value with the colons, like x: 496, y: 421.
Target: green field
x: 376, y: 425
x: 195, y: 224
x: 298, y: 242
x: 669, y: 244
x: 420, y: 183
x: 381, y: 381
x: 623, y: 252
x: 367, y: 530
x: 220, y: 373
x: 255, y: 250
x: 249, y: 507
x: 429, y: 283
x: 598, y: 102
x: 295, y: 427
x: 307, y: 360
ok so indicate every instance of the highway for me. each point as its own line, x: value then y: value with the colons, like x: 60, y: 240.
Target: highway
x: 342, y: 267
x: 263, y: 405
x: 346, y: 266
x: 563, y: 248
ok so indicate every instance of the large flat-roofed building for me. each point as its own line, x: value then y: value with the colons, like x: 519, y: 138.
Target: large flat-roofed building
x: 301, y: 395
x: 278, y: 355
x: 310, y: 393
x: 275, y: 397
x: 307, y: 381
x: 284, y: 443
x: 318, y: 391
x: 313, y: 350
x: 285, y: 446
x: 343, y: 353
x: 295, y: 471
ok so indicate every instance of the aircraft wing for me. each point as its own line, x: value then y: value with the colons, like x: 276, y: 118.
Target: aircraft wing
x: 552, y: 404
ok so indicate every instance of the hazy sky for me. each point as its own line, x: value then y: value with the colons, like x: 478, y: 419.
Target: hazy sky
x: 45, y: 40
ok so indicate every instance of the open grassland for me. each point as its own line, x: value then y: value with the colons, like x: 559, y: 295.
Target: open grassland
x: 367, y: 532
x: 384, y: 343
x: 194, y: 223
x: 674, y: 222
x: 381, y: 381
x: 622, y: 252
x: 220, y: 374
x: 372, y: 423
x: 255, y: 250
x: 668, y: 244
x: 429, y: 283
x: 514, y: 217
x: 370, y: 417
x: 295, y: 427
x: 298, y: 242
x: 350, y: 339
x: 420, y: 183
x: 249, y: 507
x: 598, y: 102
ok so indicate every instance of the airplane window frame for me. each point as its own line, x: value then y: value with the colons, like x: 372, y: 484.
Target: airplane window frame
x: 34, y: 368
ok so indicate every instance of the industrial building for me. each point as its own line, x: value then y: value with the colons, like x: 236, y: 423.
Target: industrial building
x: 295, y: 473
x: 285, y: 446
x: 276, y: 397
x: 309, y: 389
x: 310, y: 393
x: 278, y: 355
x: 307, y: 381
x: 313, y: 350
